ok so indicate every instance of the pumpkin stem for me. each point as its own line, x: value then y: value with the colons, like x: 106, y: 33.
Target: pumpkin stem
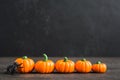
x: 83, y: 59
x: 45, y: 57
x: 65, y: 59
x: 98, y: 62
x: 25, y: 57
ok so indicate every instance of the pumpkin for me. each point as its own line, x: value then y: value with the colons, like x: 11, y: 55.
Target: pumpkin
x: 99, y: 67
x: 44, y: 66
x: 27, y: 64
x: 64, y: 65
x: 83, y: 66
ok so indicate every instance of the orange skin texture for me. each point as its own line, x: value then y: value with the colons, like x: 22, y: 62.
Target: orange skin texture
x: 26, y: 66
x: 83, y: 66
x: 65, y: 67
x: 100, y: 68
x: 44, y: 66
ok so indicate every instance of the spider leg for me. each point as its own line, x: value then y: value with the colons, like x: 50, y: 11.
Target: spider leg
x: 20, y: 64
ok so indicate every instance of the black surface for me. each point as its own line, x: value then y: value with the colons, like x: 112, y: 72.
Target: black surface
x: 60, y: 27
x: 111, y: 74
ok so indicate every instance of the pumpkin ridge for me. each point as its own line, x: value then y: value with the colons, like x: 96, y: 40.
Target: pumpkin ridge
x: 67, y: 66
x: 39, y: 66
x: 63, y: 67
x: 73, y: 66
x: 89, y: 66
x: 50, y: 66
x: 86, y: 66
x: 81, y: 66
x: 105, y: 68
x: 24, y: 66
x: 70, y: 68
x: 100, y: 68
x: 94, y: 67
x: 30, y: 64
x: 27, y: 66
x: 45, y: 67
x: 59, y: 66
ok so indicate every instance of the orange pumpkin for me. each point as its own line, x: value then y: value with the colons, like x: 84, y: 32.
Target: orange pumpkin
x: 83, y: 66
x: 44, y: 66
x: 64, y: 65
x: 99, y: 67
x: 26, y: 66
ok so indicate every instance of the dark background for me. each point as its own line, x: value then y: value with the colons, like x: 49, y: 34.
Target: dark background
x: 60, y: 27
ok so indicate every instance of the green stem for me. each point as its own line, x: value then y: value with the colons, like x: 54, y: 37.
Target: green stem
x: 98, y: 62
x: 45, y: 57
x: 65, y: 59
x: 25, y: 57
x: 83, y: 59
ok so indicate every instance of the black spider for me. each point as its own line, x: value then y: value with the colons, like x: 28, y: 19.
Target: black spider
x: 11, y: 69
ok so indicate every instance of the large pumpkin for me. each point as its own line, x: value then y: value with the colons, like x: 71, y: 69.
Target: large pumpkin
x: 83, y: 66
x: 64, y: 65
x: 99, y: 67
x: 26, y: 66
x: 44, y: 66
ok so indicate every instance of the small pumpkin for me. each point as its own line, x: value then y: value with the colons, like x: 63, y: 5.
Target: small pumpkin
x: 99, y: 67
x: 64, y: 65
x: 44, y: 66
x: 27, y: 64
x: 83, y: 66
